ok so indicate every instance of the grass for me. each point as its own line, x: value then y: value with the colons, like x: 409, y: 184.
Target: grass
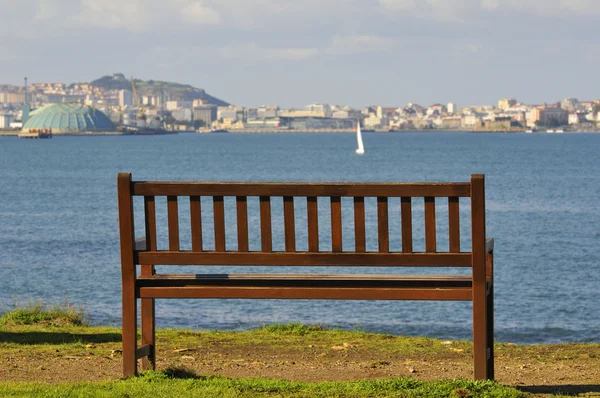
x: 184, y: 383
x: 36, y: 336
x: 36, y: 313
x: 296, y: 329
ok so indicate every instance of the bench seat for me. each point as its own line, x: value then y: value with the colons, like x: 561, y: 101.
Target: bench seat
x: 307, y: 286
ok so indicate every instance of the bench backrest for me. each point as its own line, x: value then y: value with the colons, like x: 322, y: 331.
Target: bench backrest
x: 221, y: 254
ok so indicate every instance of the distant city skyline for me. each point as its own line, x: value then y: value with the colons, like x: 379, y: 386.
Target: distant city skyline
x: 293, y: 53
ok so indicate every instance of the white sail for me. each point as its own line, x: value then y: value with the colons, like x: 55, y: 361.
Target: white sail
x: 361, y: 149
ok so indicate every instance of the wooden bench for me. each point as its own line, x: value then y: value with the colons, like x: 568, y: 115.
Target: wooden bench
x: 401, y: 197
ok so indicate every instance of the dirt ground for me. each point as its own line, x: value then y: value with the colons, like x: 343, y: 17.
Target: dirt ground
x: 566, y: 369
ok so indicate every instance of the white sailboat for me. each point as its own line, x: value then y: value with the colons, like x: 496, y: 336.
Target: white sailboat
x: 361, y: 149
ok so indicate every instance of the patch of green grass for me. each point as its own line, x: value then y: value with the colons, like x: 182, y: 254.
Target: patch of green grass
x: 312, y: 337
x: 165, y: 384
x: 37, y: 313
x: 297, y: 329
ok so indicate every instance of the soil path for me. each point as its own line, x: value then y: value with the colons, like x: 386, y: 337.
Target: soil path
x: 568, y: 369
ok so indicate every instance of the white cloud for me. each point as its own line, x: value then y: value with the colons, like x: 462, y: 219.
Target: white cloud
x: 338, y: 46
x: 291, y: 54
x: 463, y: 9
x: 129, y: 15
x: 346, y: 45
x: 255, y: 53
x: 197, y: 12
x: 132, y: 15
x: 46, y: 10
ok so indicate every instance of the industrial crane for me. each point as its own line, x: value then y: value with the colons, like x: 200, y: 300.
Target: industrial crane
x: 142, y: 113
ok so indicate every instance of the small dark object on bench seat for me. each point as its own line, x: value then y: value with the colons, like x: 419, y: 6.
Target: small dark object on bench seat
x: 148, y: 286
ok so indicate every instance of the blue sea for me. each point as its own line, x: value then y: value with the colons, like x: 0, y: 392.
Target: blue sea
x: 59, y: 227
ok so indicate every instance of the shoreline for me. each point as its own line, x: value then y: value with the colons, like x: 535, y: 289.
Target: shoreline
x: 15, y: 133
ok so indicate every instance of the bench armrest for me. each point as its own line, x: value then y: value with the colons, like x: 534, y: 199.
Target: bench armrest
x: 489, y: 245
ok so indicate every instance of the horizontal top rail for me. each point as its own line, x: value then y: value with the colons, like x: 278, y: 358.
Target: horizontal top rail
x: 389, y: 189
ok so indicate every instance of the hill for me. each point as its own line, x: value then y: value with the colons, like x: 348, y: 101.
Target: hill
x: 176, y: 91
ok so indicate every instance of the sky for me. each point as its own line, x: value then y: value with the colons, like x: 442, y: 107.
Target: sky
x: 298, y: 52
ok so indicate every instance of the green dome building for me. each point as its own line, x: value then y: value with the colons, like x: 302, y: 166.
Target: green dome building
x: 68, y: 118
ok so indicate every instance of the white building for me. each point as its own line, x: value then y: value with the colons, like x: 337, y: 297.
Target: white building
x: 151, y: 100
x: 230, y: 112
x: 373, y: 121
x: 347, y: 114
x: 125, y: 98
x: 172, y: 105
x: 325, y: 109
x: 452, y: 108
x: 468, y: 121
x: 266, y: 112
x: 5, y: 120
x: 182, y: 114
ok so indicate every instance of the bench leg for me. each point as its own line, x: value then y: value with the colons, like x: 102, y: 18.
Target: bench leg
x: 148, y: 333
x: 480, y: 339
x: 483, y: 325
x: 129, y: 334
x: 490, y: 315
x: 480, y: 332
x: 490, y: 333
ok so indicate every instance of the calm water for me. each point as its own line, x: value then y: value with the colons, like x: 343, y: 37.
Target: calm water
x: 59, y: 227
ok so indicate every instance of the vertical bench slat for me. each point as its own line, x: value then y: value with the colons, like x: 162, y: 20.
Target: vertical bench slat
x: 265, y: 224
x: 147, y: 307
x: 430, y: 244
x: 336, y: 224
x: 454, y: 224
x: 383, y: 235
x: 173, y: 217
x: 219, y: 222
x: 289, y: 224
x: 406, y: 215
x: 196, y: 223
x: 313, y: 223
x: 359, y: 225
x: 241, y: 203
x: 150, y: 215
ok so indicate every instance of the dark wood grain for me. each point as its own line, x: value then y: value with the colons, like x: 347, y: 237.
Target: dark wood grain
x: 196, y: 223
x: 173, y: 217
x: 266, y: 237
x: 289, y: 224
x: 430, y: 232
x: 459, y: 294
x: 336, y: 224
x: 480, y: 302
x: 382, y: 225
x: 241, y: 204
x: 349, y: 259
x: 150, y: 224
x: 219, y: 223
x: 128, y: 274
x: 454, y: 224
x: 313, y: 223
x: 406, y: 216
x: 445, y: 189
x: 359, y: 225
x: 147, y: 307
